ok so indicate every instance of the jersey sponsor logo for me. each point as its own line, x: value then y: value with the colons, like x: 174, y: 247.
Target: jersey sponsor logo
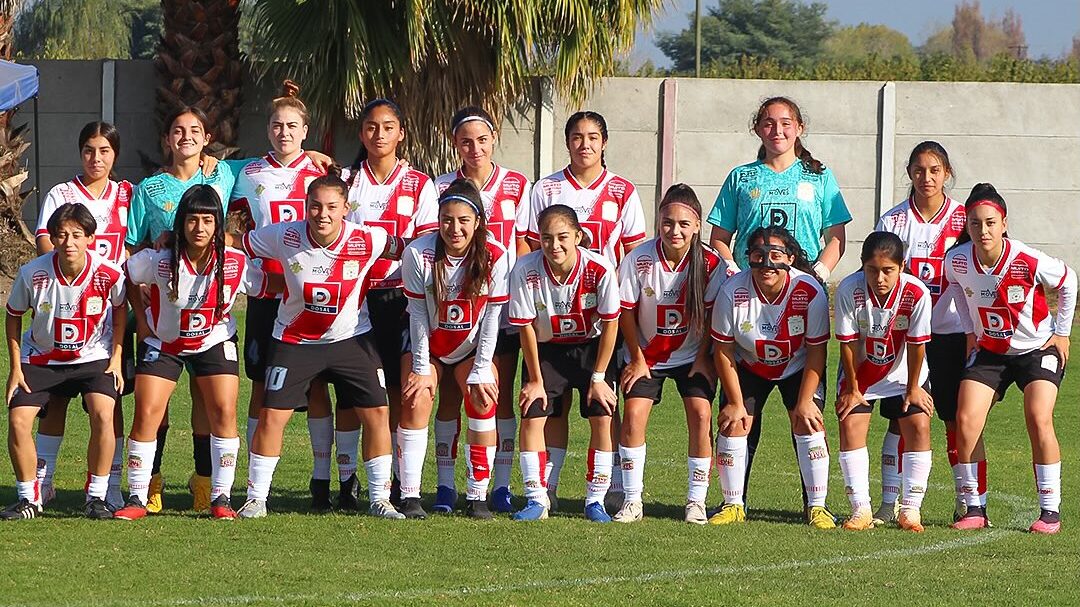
x: 879, y: 351
x: 356, y: 246
x: 551, y: 187
x: 958, y: 221
x: 532, y: 279
x: 996, y: 323
x: 69, y: 334
x: 779, y: 214
x: 670, y: 320
x: 1020, y: 270
x: 643, y: 265
x: 773, y: 353
x: 455, y: 315
x: 322, y: 298
x: 163, y: 269
x: 595, y: 232
x: 284, y: 211
x: 617, y: 188
x: 196, y: 323
x: 569, y: 325
x: 40, y: 280
x: 231, y: 268
x: 103, y: 281
x: 960, y: 264
x: 741, y: 296
x: 107, y: 245
x: 800, y: 301
x: 291, y: 238
x: 929, y: 271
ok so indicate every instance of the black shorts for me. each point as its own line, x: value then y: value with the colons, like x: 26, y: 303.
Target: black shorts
x: 258, y: 332
x: 63, y: 380
x: 756, y: 390
x: 565, y: 367
x: 218, y: 360
x: 892, y: 407
x: 945, y: 357
x: 999, y: 371
x: 509, y: 342
x: 351, y: 365
x: 390, y: 330
x: 688, y: 387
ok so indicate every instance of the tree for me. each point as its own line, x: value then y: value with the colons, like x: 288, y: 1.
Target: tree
x: 973, y: 38
x: 789, y: 31
x: 437, y: 56
x: 16, y: 241
x: 864, y: 40
x: 1075, y: 54
x: 84, y: 29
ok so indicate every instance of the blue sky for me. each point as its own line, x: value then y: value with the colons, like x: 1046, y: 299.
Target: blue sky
x: 1049, y: 24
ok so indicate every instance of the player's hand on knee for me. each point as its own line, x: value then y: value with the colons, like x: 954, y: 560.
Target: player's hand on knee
x: 636, y: 369
x: 732, y: 416
x: 917, y: 397
x: 847, y: 401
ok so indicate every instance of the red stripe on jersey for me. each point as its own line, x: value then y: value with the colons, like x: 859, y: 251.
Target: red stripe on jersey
x: 780, y: 350
x: 883, y: 353
x: 99, y: 285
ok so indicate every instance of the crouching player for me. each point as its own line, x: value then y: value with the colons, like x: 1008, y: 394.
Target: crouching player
x: 73, y: 347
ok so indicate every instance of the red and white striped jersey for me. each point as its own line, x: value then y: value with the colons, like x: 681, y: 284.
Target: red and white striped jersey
x: 657, y: 291
x: 187, y: 324
x: 454, y: 321
x: 325, y: 287
x: 771, y: 337
x: 883, y: 330
x: 405, y: 205
x: 72, y: 321
x: 506, y: 204
x: 1005, y: 306
x: 564, y: 312
x: 608, y: 209
x: 110, y: 210
x: 925, y: 244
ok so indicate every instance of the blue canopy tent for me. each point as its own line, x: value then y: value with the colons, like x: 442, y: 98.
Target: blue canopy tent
x: 19, y: 83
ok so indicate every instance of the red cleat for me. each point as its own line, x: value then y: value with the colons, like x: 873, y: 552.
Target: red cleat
x: 221, y: 510
x: 133, y: 510
x: 972, y: 520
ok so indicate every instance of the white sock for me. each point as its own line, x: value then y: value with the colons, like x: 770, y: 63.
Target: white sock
x: 556, y: 456
x: 531, y: 476
x: 253, y: 423
x: 116, y: 474
x: 378, y: 477
x: 412, y: 449
x: 260, y: 475
x: 1048, y: 482
x: 855, y: 466
x: 321, y: 431
x: 731, y: 465
x: 916, y: 477
x: 969, y: 484
x: 813, y: 454
x: 29, y: 490
x: 481, y: 459
x: 139, y: 466
x: 617, y: 479
x: 348, y: 448
x: 223, y: 455
x: 506, y: 430
x: 598, y: 476
x: 48, y: 447
x: 632, y: 470
x: 96, y: 486
x: 446, y: 444
x: 697, y: 478
x: 890, y: 468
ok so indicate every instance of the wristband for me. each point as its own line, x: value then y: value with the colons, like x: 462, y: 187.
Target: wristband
x: 822, y: 271
x: 599, y: 378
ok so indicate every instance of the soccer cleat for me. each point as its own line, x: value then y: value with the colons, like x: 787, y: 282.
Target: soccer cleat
x: 974, y: 518
x: 48, y: 493
x: 819, y: 517
x: 886, y: 513
x: 153, y: 495
x: 97, y: 509
x: 533, y: 511
x: 502, y: 500
x: 252, y: 508
x: 478, y: 509
x: 320, y: 494
x: 411, y: 508
x: 199, y: 488
x: 395, y: 492
x: 133, y: 510
x: 349, y: 494
x: 220, y: 509
x: 22, y: 509
x: 553, y: 500
x: 728, y: 514
x: 695, y: 513
x: 594, y: 512
x: 631, y: 512
x: 1048, y: 523
x: 445, y: 499
x: 910, y: 519
x: 959, y: 510
x: 384, y: 509
x: 860, y: 520
x: 614, y: 500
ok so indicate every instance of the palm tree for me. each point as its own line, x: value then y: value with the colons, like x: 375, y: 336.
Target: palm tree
x: 435, y: 56
x: 16, y: 241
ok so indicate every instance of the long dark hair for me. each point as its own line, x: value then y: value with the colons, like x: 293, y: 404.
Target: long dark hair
x: 883, y: 243
x: 810, y: 164
x: 199, y: 199
x: 99, y: 128
x: 696, y: 273
x: 469, y: 114
x: 365, y: 113
x: 593, y: 117
x: 199, y: 115
x: 477, y: 261
x: 935, y: 149
x: 979, y: 193
x: 763, y: 234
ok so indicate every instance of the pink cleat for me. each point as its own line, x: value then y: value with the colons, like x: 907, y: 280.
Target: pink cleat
x: 1048, y: 523
x: 972, y: 520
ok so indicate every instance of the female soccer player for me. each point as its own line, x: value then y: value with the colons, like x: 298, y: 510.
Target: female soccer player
x: 506, y: 196
x: 883, y: 325
x: 667, y: 287
x: 771, y: 323
x: 73, y: 347
x: 929, y: 222
x: 565, y: 299
x: 193, y: 285
x: 456, y: 281
x: 1000, y: 286
x: 385, y: 193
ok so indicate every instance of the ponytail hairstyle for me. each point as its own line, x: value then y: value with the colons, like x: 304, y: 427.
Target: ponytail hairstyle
x: 561, y: 211
x: 477, y: 261
x: 199, y: 199
x: 290, y: 99
x: 982, y: 193
x: 935, y: 149
x: 810, y: 164
x: 365, y: 113
x: 596, y: 119
x: 471, y: 113
x: 98, y: 128
x: 883, y: 243
x: 696, y: 272
x: 763, y: 234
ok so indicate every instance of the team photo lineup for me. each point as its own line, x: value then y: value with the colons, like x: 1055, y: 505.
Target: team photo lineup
x: 391, y: 307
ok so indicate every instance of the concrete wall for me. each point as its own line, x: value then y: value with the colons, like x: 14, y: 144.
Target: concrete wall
x: 1025, y: 138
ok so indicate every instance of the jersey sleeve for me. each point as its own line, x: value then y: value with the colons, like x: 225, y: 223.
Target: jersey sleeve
x: 426, y: 218
x: 412, y: 274
x: 536, y: 204
x: 919, y: 323
x: 224, y: 176
x: 1054, y: 274
x: 264, y: 242
x: 817, y: 319
x: 523, y: 211
x: 834, y: 210
x: 721, y: 328
x: 847, y: 324
x: 136, y: 222
x: 48, y: 206
x: 629, y: 285
x: 716, y: 280
x: 633, y: 221
x: 19, y: 298
x: 140, y: 267
x: 724, y: 213
x: 118, y: 291
x: 607, y: 304
x: 956, y: 292
x: 522, y: 310
x: 254, y: 281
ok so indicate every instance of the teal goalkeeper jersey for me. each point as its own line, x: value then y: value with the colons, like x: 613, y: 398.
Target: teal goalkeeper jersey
x: 153, y: 207
x: 805, y: 203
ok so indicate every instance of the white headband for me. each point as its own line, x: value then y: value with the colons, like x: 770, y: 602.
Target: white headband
x: 472, y: 118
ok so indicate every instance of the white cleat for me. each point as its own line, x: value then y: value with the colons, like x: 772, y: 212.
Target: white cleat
x: 632, y: 511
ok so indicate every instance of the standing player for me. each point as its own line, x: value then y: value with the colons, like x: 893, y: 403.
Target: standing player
x: 1000, y: 286
x: 667, y: 287
x: 73, y: 347
x: 456, y: 281
x: 771, y: 323
x: 506, y: 196
x: 883, y: 325
x: 193, y: 285
x: 322, y: 328
x: 565, y: 299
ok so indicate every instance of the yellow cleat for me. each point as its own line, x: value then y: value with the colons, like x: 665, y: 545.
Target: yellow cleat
x: 910, y: 520
x: 860, y: 520
x: 729, y: 513
x: 199, y: 487
x: 819, y: 517
x: 153, y: 496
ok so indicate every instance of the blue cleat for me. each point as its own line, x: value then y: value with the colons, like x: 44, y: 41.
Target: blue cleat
x: 502, y: 500
x: 533, y: 511
x: 595, y: 512
x: 445, y: 500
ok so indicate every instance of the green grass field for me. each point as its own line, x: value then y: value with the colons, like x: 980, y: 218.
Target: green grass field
x: 296, y: 558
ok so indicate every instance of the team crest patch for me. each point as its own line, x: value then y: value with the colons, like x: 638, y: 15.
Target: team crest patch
x: 588, y: 300
x: 350, y: 270
x: 901, y: 323
x: 540, y: 307
x: 93, y: 305
x: 1015, y: 294
x: 969, y: 292
x: 796, y: 325
x: 405, y: 205
x: 805, y: 191
x: 755, y: 193
x: 169, y: 206
x: 259, y: 189
x: 609, y: 211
